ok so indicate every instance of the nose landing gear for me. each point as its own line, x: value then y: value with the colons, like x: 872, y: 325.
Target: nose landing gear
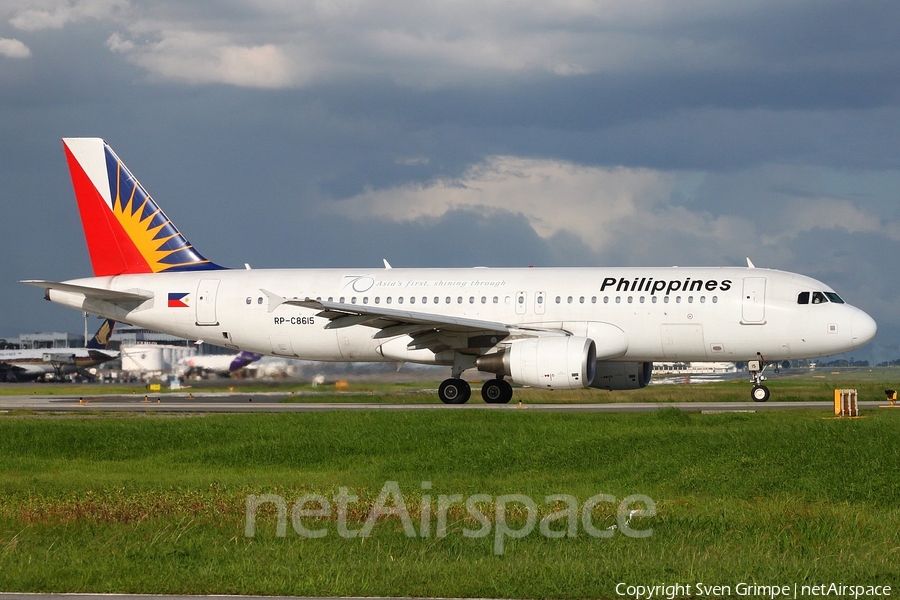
x: 759, y: 392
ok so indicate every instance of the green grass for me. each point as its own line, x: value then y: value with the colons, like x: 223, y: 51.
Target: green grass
x: 157, y: 504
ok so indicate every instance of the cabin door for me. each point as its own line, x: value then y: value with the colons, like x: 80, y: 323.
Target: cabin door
x: 753, y: 311
x: 206, y: 302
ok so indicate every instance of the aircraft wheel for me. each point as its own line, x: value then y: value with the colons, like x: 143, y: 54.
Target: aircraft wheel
x: 759, y: 393
x: 454, y: 391
x: 496, y: 391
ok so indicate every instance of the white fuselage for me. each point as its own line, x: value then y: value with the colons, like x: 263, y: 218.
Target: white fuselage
x: 684, y: 314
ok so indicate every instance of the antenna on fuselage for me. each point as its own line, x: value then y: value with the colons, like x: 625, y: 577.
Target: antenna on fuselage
x: 750, y: 264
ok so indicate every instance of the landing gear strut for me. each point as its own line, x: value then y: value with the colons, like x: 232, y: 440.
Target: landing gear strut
x: 496, y: 391
x: 759, y: 392
x: 456, y: 390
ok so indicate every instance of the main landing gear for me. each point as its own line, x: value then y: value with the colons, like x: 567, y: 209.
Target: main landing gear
x: 458, y: 391
x: 759, y: 392
x: 496, y: 391
x: 454, y: 391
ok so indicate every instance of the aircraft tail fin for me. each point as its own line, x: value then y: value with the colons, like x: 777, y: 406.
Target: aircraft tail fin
x: 243, y: 359
x: 125, y: 230
x: 101, y: 339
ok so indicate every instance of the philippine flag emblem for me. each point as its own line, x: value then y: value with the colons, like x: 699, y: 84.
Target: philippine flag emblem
x: 178, y: 300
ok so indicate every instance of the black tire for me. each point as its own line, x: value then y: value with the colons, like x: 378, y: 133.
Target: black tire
x: 759, y: 393
x: 496, y: 391
x: 454, y: 391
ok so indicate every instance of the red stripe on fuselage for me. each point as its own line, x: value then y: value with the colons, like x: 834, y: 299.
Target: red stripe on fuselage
x: 112, y: 251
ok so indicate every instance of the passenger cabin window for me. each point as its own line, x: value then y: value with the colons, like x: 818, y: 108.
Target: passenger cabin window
x: 803, y: 298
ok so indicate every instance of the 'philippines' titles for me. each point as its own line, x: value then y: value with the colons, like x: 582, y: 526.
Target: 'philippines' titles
x: 653, y: 286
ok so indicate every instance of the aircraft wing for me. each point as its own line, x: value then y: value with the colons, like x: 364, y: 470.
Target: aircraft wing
x: 90, y: 292
x: 12, y: 372
x: 428, y: 330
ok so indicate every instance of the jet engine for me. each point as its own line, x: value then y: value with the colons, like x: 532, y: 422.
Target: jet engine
x: 555, y: 363
x: 622, y: 375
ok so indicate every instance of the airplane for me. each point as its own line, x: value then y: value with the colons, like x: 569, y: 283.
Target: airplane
x: 549, y: 328
x: 30, y: 364
x: 222, y: 365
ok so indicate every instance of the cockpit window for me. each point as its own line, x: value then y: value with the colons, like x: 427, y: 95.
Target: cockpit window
x: 834, y: 298
x: 803, y: 298
x: 818, y: 298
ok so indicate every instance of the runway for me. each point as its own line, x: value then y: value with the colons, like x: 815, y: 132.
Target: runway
x: 274, y: 402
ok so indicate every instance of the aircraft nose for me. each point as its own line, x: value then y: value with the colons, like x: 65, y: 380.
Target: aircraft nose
x: 862, y: 329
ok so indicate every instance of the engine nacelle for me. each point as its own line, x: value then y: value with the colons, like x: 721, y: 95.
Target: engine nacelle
x: 622, y: 375
x: 555, y: 363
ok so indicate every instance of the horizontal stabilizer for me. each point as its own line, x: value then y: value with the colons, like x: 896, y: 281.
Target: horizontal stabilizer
x: 90, y: 292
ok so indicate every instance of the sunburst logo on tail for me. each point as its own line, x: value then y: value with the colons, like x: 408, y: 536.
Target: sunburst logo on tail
x: 154, y: 236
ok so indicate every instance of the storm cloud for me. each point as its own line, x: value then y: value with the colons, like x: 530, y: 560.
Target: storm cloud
x: 463, y: 134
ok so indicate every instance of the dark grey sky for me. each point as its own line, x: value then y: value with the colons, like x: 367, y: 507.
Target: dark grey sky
x: 465, y: 133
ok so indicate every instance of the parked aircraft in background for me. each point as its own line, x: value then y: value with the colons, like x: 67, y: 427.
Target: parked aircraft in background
x: 549, y: 328
x: 30, y: 364
x: 221, y: 365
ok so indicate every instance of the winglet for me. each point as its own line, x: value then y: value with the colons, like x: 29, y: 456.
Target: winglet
x: 125, y: 230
